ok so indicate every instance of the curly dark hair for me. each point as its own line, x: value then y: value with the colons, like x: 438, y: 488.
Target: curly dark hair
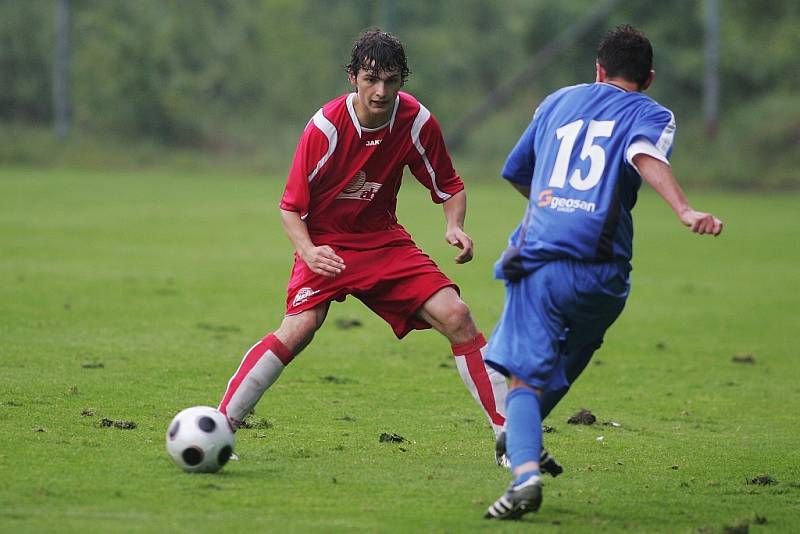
x: 375, y: 51
x: 625, y: 52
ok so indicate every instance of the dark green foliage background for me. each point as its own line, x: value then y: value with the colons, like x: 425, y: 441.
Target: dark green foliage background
x: 238, y: 80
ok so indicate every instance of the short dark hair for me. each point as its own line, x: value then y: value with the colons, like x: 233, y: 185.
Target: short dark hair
x: 625, y: 52
x: 376, y: 51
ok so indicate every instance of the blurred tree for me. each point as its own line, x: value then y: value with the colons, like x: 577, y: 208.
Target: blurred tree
x: 221, y: 74
x: 26, y: 37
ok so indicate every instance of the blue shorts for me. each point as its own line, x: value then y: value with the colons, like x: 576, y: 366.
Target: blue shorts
x: 555, y: 318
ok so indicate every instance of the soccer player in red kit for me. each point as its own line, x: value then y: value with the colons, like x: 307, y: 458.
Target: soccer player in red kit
x: 338, y: 210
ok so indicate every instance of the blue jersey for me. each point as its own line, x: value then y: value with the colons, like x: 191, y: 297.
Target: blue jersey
x: 576, y: 155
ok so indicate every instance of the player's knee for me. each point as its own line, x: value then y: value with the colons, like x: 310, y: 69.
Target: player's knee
x: 457, y: 316
x: 297, y: 331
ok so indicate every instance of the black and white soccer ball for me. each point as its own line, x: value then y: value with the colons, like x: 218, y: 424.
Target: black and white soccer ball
x: 200, y: 440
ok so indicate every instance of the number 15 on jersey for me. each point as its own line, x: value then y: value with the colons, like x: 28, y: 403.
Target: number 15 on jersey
x: 567, y: 135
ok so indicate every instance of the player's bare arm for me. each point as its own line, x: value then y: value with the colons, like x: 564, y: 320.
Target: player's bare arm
x: 455, y: 210
x: 659, y: 175
x: 321, y: 260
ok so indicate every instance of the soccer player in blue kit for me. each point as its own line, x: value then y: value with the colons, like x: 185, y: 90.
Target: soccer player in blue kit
x: 579, y: 163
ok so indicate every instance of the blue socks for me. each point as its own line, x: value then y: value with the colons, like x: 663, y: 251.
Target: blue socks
x: 523, y: 430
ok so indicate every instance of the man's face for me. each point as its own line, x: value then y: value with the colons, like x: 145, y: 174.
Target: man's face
x: 376, y: 92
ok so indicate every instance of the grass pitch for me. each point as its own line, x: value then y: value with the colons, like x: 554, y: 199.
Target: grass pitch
x: 129, y: 296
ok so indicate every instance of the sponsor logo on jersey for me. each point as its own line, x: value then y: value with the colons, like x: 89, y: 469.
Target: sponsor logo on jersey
x: 303, y: 295
x: 373, y: 142
x: 358, y: 188
x: 545, y: 197
x: 563, y: 204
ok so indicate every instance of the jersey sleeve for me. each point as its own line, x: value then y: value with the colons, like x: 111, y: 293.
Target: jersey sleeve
x: 430, y: 162
x: 652, y: 134
x: 309, y: 158
x: 522, y: 158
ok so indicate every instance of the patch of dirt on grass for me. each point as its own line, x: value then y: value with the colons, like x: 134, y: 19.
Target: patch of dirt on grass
x: 92, y: 365
x: 125, y: 425
x: 448, y: 363
x: 347, y: 324
x: 743, y: 358
x: 583, y: 417
x: 762, y: 480
x: 330, y: 379
x: 743, y: 527
x: 256, y: 423
x: 166, y: 292
x: 87, y: 412
x: 121, y: 424
x: 391, y: 438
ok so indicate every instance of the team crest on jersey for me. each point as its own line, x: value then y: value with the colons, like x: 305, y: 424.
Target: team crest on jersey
x: 303, y: 295
x: 358, y: 188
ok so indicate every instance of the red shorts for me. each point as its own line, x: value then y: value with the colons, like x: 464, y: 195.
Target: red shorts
x: 394, y: 282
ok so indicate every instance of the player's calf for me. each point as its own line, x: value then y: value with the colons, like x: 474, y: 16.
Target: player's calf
x: 486, y: 385
x: 260, y: 368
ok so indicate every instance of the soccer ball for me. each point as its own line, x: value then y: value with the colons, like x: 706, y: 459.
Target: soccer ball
x: 200, y: 440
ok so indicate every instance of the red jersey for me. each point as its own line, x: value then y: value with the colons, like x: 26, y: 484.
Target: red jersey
x: 345, y: 178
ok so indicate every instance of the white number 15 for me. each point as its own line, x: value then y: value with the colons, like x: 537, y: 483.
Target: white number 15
x: 567, y: 134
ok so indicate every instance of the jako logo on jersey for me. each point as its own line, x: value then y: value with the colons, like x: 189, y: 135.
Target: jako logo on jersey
x: 373, y: 142
x: 567, y: 205
x: 303, y: 295
x: 359, y: 188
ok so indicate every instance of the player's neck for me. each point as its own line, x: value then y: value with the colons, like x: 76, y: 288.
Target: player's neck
x: 371, y: 120
x: 622, y: 83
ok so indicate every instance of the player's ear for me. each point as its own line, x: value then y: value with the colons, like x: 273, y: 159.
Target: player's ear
x: 352, y: 79
x: 649, y: 80
x: 600, y: 72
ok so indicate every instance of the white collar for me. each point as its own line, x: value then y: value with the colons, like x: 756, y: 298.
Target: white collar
x: 353, y: 117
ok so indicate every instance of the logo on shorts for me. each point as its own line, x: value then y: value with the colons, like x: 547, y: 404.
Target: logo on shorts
x: 358, y: 188
x: 303, y: 295
x: 567, y: 205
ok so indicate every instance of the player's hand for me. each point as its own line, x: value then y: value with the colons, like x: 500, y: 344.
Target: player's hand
x: 323, y: 261
x: 701, y: 223
x: 458, y: 238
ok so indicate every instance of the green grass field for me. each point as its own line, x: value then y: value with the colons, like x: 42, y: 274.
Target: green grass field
x: 132, y: 296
